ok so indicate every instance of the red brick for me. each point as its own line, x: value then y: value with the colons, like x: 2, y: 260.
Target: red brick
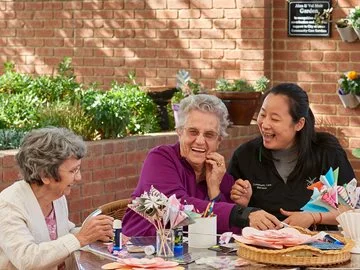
x: 103, y: 199
x: 189, y: 14
x: 79, y: 204
x: 175, y: 4
x: 205, y: 4
x: 200, y: 44
x: 133, y: 157
x: 224, y: 4
x: 213, y: 33
x: 190, y: 33
x: 113, y: 185
x: 201, y: 24
x: 93, y: 188
x: 135, y: 4
x: 179, y: 24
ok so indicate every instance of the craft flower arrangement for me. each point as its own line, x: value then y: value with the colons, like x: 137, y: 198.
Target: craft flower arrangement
x: 328, y: 195
x: 164, y: 213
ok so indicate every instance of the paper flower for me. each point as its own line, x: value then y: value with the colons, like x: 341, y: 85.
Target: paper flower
x: 328, y: 195
x: 162, y: 211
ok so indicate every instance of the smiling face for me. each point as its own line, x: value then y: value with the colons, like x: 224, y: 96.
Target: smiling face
x: 275, y: 123
x: 198, y: 137
x: 69, y: 172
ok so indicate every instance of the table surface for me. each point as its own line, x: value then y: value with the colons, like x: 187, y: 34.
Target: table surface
x: 85, y: 260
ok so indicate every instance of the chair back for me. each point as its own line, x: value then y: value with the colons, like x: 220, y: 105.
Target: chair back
x: 115, y: 209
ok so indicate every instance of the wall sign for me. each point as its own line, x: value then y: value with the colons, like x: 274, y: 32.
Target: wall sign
x: 301, y: 21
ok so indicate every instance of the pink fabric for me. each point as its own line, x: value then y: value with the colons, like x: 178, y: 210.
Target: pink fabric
x: 51, y: 224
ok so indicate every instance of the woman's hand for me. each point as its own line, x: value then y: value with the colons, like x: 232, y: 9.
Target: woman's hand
x: 262, y: 220
x: 214, y: 173
x: 295, y: 218
x: 241, y: 192
x: 96, y: 228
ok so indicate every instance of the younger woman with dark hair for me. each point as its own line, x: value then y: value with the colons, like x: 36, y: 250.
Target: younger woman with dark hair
x: 274, y: 170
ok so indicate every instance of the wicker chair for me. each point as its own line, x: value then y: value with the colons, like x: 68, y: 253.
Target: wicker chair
x: 114, y: 209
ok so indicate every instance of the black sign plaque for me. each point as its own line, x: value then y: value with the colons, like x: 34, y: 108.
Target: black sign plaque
x: 301, y: 21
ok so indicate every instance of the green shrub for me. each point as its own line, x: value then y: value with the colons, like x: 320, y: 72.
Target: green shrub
x: 109, y: 113
x: 59, y: 88
x: 30, y: 102
x: 10, y: 139
x: 12, y: 82
x: 142, y: 109
x: 20, y: 111
x: 68, y: 116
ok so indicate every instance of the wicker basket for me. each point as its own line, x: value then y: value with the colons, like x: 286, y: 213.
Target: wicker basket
x: 302, y: 255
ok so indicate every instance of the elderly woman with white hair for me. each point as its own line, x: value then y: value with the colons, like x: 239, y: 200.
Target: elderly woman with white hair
x: 192, y: 169
x: 35, y: 229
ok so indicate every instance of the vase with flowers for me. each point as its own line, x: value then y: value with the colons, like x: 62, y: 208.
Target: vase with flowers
x: 165, y: 214
x: 349, y: 89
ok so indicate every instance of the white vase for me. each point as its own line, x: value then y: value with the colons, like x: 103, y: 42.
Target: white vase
x: 357, y: 31
x: 347, y: 33
x: 358, y: 97
x: 349, y: 100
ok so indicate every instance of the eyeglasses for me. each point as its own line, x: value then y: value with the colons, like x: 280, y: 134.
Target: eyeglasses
x: 208, y: 135
x: 74, y: 172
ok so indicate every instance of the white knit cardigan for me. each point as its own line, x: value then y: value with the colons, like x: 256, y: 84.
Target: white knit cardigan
x: 24, y: 237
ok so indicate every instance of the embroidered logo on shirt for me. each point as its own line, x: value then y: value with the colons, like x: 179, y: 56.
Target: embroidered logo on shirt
x: 262, y: 186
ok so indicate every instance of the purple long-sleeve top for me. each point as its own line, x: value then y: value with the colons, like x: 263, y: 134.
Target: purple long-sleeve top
x: 169, y: 173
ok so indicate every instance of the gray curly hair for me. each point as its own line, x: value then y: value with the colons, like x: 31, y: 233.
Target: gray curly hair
x: 204, y: 103
x: 43, y: 150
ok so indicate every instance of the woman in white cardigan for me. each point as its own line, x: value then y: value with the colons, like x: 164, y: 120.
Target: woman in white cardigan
x: 35, y: 230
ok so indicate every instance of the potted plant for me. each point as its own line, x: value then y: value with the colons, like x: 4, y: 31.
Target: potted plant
x: 241, y: 98
x: 346, y: 30
x: 343, y: 26
x: 185, y: 86
x: 349, y: 89
x: 354, y: 18
x: 356, y: 152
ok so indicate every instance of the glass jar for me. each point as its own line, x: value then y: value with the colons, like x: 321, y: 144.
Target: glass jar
x: 165, y: 243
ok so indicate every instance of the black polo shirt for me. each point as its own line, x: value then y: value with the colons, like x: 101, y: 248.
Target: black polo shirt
x: 270, y: 192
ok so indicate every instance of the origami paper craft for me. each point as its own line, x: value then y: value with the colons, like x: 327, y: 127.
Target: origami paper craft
x: 328, y: 195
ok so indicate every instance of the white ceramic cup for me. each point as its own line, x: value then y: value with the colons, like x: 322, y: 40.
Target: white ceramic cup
x: 202, y: 234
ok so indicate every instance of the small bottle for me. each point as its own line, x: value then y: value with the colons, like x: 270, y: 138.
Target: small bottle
x: 178, y: 241
x: 117, y: 235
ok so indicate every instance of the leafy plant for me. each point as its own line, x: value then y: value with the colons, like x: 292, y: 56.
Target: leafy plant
x: 342, y: 23
x: 261, y: 84
x: 141, y: 108
x: 354, y: 17
x: 242, y: 85
x: 68, y: 116
x: 30, y: 102
x: 185, y: 86
x: 12, y: 82
x: 349, y: 82
x: 20, y: 111
x: 10, y: 139
x: 109, y: 114
x: 356, y: 152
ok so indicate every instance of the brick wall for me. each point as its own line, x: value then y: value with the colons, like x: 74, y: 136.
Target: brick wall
x: 107, y: 39
x: 316, y: 65
x: 111, y: 169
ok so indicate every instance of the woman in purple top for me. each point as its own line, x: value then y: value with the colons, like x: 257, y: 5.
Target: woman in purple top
x: 192, y: 168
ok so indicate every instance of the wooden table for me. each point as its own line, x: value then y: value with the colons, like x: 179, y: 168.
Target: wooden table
x: 85, y: 260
